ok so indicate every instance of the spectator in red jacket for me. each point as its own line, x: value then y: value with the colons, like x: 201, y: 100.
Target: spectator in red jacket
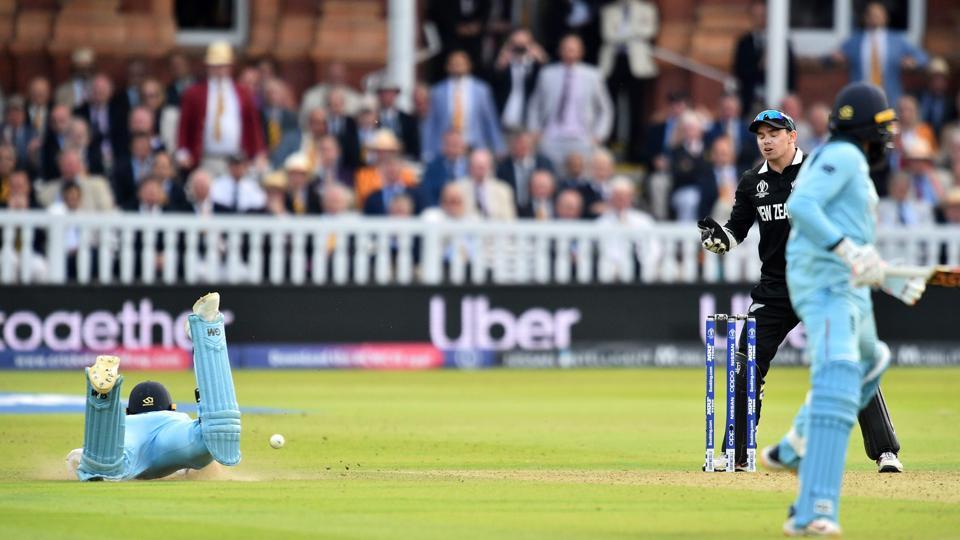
x: 218, y: 118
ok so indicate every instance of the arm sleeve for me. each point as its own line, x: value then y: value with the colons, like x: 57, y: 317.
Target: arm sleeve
x: 742, y: 215
x: 816, y: 186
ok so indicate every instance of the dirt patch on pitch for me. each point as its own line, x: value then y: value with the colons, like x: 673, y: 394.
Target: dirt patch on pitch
x: 918, y: 486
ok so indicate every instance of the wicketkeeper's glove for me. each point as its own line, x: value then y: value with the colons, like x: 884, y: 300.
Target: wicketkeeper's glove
x: 714, y: 237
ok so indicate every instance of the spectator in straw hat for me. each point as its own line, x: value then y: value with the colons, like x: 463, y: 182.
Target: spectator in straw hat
x: 382, y: 148
x: 218, y: 118
x: 275, y: 187
x: 937, y: 106
x: 300, y: 198
x: 917, y: 162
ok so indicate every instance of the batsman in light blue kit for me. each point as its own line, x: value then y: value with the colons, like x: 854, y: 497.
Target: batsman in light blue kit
x: 831, y: 266
x: 151, y: 439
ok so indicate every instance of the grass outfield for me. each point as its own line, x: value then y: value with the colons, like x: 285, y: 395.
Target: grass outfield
x: 492, y: 454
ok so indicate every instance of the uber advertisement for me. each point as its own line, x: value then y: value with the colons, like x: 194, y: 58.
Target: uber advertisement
x: 417, y: 327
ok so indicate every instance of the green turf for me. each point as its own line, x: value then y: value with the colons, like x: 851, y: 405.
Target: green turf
x: 492, y: 454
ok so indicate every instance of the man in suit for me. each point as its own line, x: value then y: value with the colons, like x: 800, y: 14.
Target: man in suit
x: 402, y: 124
x: 877, y: 54
x: 749, y: 61
x: 462, y: 26
x: 343, y: 126
x: 301, y: 199
x: 517, y: 168
x: 936, y: 104
x: 281, y: 130
x: 75, y: 91
x: 107, y: 117
x: 570, y: 108
x: 730, y: 123
x: 626, y: 61
x: 899, y: 209
x: 181, y: 78
x: 132, y: 169
x: 540, y: 205
x: 173, y: 191
x: 391, y: 171
x: 694, y: 188
x: 329, y: 167
x: 319, y: 94
x: 15, y: 130
x: 514, y: 77
x: 38, y: 111
x: 95, y: 193
x: 484, y: 195
x: 464, y: 103
x: 661, y: 136
x: 562, y: 18
x: 218, y: 118
x: 54, y: 141
x: 450, y: 165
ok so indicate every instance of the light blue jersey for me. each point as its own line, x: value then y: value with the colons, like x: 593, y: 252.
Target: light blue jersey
x: 833, y: 198
x: 160, y: 443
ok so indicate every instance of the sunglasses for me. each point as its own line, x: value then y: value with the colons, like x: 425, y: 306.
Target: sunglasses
x: 773, y: 115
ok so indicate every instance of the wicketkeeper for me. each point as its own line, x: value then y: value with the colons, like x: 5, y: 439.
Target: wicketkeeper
x: 761, y: 196
x: 152, y: 440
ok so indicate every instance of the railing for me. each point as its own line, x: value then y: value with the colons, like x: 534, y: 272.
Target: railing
x: 36, y: 247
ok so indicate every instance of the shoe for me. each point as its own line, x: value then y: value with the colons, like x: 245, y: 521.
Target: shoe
x: 889, y: 463
x: 206, y: 308
x: 817, y: 527
x: 103, y: 374
x: 770, y: 458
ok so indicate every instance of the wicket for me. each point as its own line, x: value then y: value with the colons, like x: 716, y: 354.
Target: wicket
x: 731, y: 375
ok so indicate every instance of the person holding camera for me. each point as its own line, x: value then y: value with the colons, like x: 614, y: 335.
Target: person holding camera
x: 514, y: 76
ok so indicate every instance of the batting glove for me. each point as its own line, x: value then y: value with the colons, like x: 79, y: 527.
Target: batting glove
x: 907, y: 290
x: 866, y: 266
x: 714, y: 237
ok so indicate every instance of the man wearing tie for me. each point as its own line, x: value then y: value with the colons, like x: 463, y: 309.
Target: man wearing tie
x: 402, y: 124
x: 570, y: 108
x: 517, y: 168
x: 484, y: 195
x: 540, y: 205
x: 218, y: 118
x: 463, y: 103
x: 877, y: 54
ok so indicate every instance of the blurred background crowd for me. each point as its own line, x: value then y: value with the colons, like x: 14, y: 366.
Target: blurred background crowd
x: 504, y: 123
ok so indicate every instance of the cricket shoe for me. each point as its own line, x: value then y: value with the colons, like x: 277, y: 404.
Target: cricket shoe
x: 817, y: 527
x: 770, y: 458
x: 206, y: 308
x: 889, y: 463
x: 103, y: 374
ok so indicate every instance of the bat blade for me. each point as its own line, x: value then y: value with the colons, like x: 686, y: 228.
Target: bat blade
x: 937, y: 276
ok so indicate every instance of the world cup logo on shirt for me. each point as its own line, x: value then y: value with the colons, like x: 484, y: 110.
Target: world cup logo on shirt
x: 762, y: 188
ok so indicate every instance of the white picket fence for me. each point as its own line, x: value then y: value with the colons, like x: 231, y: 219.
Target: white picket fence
x: 36, y: 247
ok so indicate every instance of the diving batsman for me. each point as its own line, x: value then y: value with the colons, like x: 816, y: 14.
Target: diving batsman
x: 151, y: 439
x: 761, y: 196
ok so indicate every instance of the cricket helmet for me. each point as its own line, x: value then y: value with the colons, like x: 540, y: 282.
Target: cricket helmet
x: 149, y: 396
x: 861, y: 113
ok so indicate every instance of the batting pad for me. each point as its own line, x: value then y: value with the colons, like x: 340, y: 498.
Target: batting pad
x: 103, y: 431
x: 218, y: 409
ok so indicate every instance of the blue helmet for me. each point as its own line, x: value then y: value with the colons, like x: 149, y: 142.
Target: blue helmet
x: 149, y: 396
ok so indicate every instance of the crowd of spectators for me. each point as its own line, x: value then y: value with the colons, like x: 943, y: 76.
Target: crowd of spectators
x: 522, y: 132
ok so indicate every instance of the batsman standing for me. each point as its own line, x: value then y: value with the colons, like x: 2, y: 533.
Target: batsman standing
x: 761, y: 196
x: 152, y: 440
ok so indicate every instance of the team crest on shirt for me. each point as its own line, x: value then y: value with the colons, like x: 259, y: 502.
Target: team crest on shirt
x: 762, y: 189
